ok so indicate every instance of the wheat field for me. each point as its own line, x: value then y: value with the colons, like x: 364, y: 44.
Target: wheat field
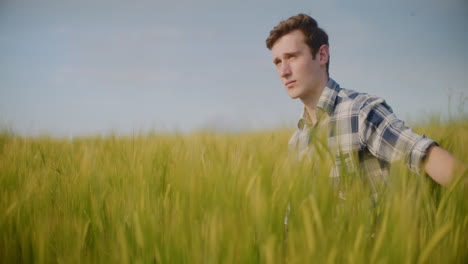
x: 217, y: 198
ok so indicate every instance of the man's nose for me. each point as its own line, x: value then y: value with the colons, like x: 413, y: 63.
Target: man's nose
x: 285, y: 70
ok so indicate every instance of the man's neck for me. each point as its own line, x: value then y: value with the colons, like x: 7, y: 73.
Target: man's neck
x: 310, y: 102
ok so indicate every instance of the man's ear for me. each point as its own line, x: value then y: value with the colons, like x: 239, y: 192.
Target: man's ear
x: 324, y: 54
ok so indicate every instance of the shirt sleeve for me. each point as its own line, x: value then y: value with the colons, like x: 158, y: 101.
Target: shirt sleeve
x: 387, y: 137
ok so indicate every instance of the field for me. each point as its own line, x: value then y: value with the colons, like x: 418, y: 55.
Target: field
x: 217, y: 198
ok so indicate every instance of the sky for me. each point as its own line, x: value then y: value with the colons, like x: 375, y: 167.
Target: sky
x: 75, y: 68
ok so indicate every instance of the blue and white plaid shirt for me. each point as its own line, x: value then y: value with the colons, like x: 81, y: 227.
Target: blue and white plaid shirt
x: 359, y: 129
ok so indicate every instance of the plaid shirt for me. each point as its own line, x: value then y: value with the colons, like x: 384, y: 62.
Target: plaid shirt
x: 359, y: 127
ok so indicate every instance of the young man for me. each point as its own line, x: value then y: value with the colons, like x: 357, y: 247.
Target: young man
x: 358, y: 125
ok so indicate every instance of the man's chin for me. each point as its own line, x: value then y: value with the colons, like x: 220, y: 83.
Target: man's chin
x: 293, y: 96
x: 294, y: 93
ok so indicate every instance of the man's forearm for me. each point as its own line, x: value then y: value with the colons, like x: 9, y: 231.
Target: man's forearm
x: 440, y: 165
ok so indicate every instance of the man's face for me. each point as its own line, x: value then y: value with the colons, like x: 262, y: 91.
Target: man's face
x: 298, y: 71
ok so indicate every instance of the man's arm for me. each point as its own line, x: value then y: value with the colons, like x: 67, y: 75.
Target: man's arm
x: 441, y: 165
x: 387, y: 138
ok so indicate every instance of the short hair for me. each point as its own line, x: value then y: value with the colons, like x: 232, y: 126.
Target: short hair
x: 315, y: 36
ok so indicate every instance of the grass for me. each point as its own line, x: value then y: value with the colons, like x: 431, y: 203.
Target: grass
x: 217, y: 198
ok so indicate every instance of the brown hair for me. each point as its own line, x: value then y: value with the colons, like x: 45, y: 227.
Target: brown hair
x: 315, y: 37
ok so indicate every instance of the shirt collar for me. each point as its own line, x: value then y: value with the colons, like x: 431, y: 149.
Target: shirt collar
x: 326, y: 102
x: 327, y: 99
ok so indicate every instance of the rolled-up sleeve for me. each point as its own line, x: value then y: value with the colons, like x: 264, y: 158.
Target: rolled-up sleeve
x: 418, y: 153
x: 387, y: 137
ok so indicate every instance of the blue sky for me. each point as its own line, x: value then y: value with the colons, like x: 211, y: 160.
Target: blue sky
x: 72, y: 68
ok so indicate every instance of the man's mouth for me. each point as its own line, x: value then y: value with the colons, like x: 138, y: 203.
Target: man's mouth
x: 289, y: 83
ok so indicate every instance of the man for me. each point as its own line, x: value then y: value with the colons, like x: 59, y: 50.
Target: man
x: 358, y: 125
